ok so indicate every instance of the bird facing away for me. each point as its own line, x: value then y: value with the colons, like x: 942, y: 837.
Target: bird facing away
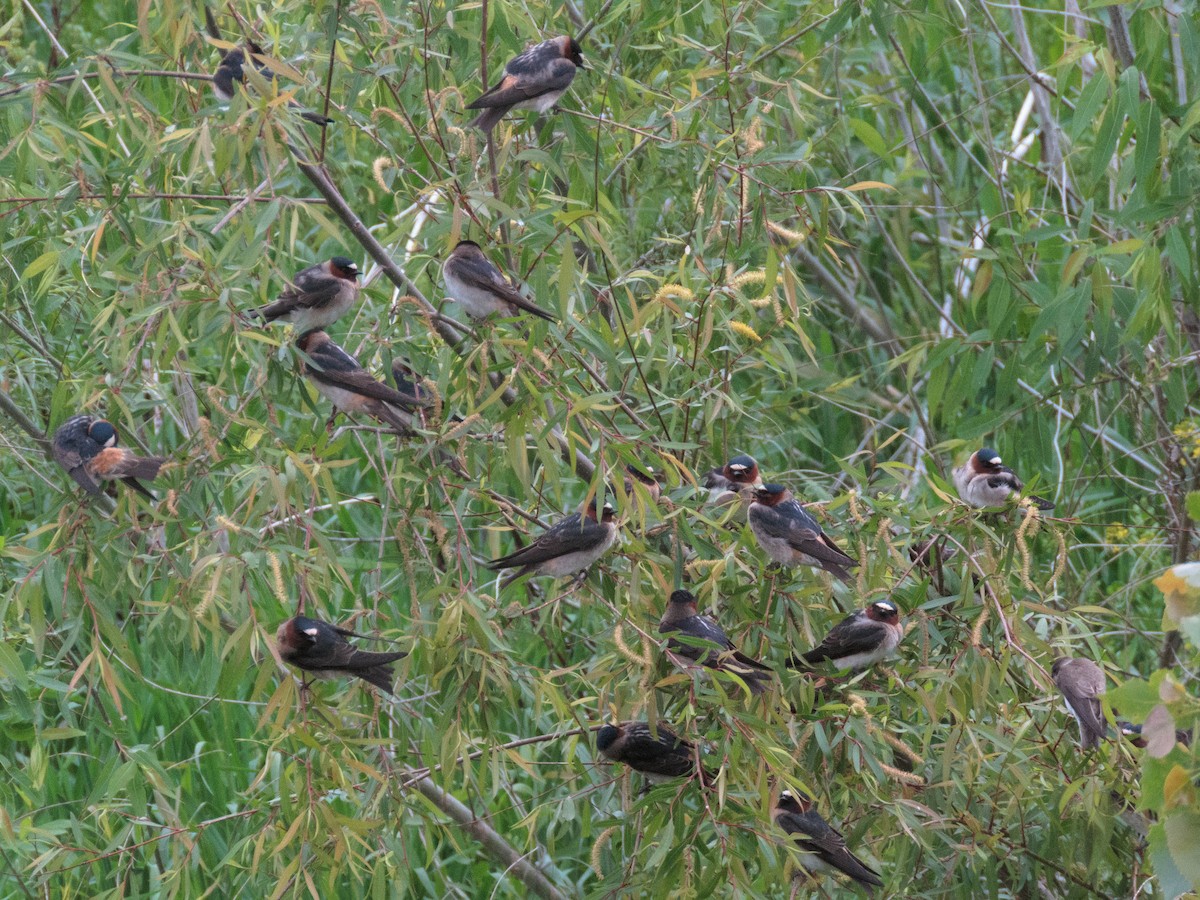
x: 318, y: 647
x: 1082, y: 682
x: 317, y: 297
x: 535, y: 79
x: 823, y: 849
x: 643, y: 475
x: 733, y: 481
x: 231, y: 71
x: 570, y: 545
x: 790, y: 536
x: 479, y: 286
x: 350, y: 387
x: 659, y: 754
x: 982, y: 481
x: 701, y: 640
x: 87, y: 448
x: 859, y: 640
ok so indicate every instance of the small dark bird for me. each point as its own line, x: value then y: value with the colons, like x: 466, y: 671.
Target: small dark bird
x: 570, y: 545
x: 701, y: 640
x: 660, y: 754
x: 87, y: 448
x: 726, y: 484
x: 321, y: 648
x: 479, y: 286
x: 644, y: 477
x: 231, y: 71
x: 317, y: 297
x: 350, y: 387
x: 790, y: 536
x: 983, y: 482
x: 823, y: 849
x: 858, y: 641
x: 407, y: 381
x: 535, y: 79
x: 1082, y: 682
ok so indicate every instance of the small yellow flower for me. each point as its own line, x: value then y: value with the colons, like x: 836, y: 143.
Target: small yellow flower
x: 744, y: 330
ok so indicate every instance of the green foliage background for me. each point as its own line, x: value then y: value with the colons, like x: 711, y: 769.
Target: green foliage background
x: 828, y: 235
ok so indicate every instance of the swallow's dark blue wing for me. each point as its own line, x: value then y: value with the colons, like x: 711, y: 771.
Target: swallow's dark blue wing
x: 574, y: 533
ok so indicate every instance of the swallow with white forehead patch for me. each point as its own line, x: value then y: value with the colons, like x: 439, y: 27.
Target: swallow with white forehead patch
x: 790, y: 536
x: 701, y: 640
x: 983, y: 481
x: 732, y: 481
x: 1082, y: 682
x: 570, y: 545
x: 658, y: 753
x: 480, y: 288
x: 858, y: 641
x: 351, y: 388
x: 322, y: 649
x: 644, y: 476
x: 535, y: 79
x: 822, y: 847
x: 317, y: 297
x: 87, y: 448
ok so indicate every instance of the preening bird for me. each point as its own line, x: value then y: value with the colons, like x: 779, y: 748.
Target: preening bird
x: 87, y: 448
x: 322, y: 649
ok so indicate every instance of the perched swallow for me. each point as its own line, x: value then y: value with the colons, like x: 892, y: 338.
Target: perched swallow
x: 321, y: 648
x: 1082, y: 682
x: 644, y: 477
x: 660, y: 758
x: 790, y: 536
x: 983, y: 482
x: 317, y: 296
x: 570, y: 545
x: 702, y: 641
x: 350, y: 387
x: 858, y: 641
x: 479, y: 286
x: 725, y: 485
x: 823, y: 848
x: 232, y: 70
x: 535, y: 79
x: 87, y: 448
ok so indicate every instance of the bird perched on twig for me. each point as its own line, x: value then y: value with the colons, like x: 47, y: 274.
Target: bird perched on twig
x: 322, y: 649
x: 658, y: 753
x: 570, y: 545
x: 823, y: 849
x: 317, y: 297
x: 534, y: 79
x: 351, y: 388
x: 983, y: 481
x: 1082, y: 682
x: 481, y: 288
x: 701, y: 640
x: 859, y: 640
x: 87, y: 448
x: 790, y: 536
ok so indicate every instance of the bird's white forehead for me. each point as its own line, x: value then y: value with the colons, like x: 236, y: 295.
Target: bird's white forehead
x: 312, y: 632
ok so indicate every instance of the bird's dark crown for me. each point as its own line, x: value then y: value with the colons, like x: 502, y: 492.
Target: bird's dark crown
x: 683, y: 597
x: 606, y: 736
x: 343, y: 266
x: 574, y: 52
x: 468, y: 244
x: 102, y: 432
x: 311, y: 338
x: 794, y: 803
x: 988, y: 457
x: 770, y: 493
x: 884, y: 611
x: 645, y: 476
x: 742, y: 463
x: 1058, y: 664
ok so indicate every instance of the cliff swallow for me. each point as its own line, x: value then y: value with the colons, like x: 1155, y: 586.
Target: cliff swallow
x: 645, y: 478
x: 480, y: 288
x: 823, y: 849
x: 535, y: 79
x: 790, y: 536
x: 660, y: 758
x: 318, y: 296
x: 87, y: 448
x: 1082, y: 682
x: 858, y: 641
x: 321, y: 648
x: 570, y: 545
x: 232, y: 71
x: 983, y: 482
x: 351, y: 388
x: 727, y: 484
x: 701, y: 640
